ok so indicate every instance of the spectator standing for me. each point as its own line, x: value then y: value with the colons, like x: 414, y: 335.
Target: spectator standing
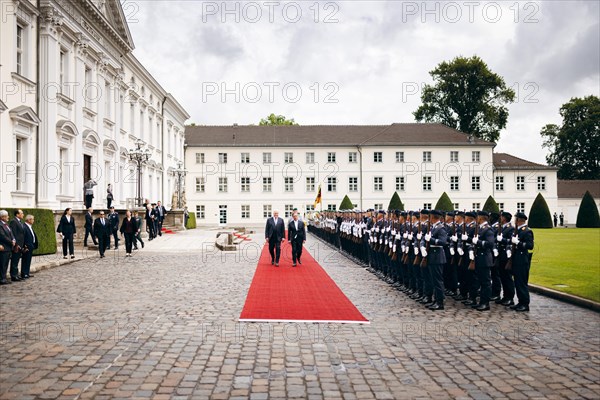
x: 16, y: 226
x: 67, y: 229
x: 109, y: 196
x: 31, y: 243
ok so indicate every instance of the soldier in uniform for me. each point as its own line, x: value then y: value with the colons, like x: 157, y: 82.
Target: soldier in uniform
x: 467, y: 278
x: 457, y: 269
x: 437, y: 238
x: 412, y: 251
x: 521, y: 261
x: 503, y: 240
x: 450, y: 283
x: 496, y: 281
x: 483, y: 245
x: 426, y: 282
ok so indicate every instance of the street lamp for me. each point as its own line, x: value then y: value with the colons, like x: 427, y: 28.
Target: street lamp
x: 139, y: 156
x: 181, y: 172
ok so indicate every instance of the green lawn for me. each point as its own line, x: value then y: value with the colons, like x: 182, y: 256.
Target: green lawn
x: 567, y: 260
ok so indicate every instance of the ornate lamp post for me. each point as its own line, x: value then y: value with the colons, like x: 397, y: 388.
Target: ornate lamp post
x: 139, y: 156
x: 180, y: 172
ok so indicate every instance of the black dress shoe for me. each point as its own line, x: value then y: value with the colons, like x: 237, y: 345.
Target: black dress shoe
x: 5, y: 282
x: 431, y: 302
x: 299, y: 262
x: 498, y: 300
x: 475, y: 305
x: 294, y: 264
x: 272, y: 262
x: 483, y: 307
x: 460, y: 297
x: 72, y: 257
x: 64, y: 257
x: 495, y: 298
x: 436, y: 306
x: 522, y: 308
x: 508, y: 302
x: 15, y: 279
x: 515, y: 306
x: 277, y: 264
x: 142, y: 244
x: 469, y: 302
x: 426, y: 300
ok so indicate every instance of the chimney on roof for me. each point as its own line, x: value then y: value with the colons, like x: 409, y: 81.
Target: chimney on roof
x: 471, y: 139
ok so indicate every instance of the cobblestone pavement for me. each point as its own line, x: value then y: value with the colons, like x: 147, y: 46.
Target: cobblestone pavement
x: 163, y: 324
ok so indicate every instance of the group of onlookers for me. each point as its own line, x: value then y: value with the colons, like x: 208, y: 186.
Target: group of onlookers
x: 17, y: 243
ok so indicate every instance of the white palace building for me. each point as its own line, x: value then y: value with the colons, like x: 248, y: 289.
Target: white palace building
x: 74, y: 101
x: 240, y: 174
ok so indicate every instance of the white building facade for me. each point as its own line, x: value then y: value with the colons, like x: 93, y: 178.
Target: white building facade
x: 76, y: 101
x: 240, y: 174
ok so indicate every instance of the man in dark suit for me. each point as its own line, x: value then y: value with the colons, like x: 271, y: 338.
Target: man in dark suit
x: 16, y: 226
x: 89, y: 226
x: 150, y: 221
x: 113, y: 218
x: 7, y: 241
x: 297, y: 237
x: 31, y: 243
x: 437, y: 238
x: 102, y: 231
x: 275, y: 234
x: 161, y: 212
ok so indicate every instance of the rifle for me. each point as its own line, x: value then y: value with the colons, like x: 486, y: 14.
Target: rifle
x: 452, y: 244
x: 408, y: 226
x: 472, y: 262
x: 424, y: 259
x: 395, y: 253
x: 418, y: 257
x: 513, y: 249
x: 462, y: 245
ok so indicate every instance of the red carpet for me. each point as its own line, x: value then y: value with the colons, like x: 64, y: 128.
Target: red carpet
x: 296, y: 294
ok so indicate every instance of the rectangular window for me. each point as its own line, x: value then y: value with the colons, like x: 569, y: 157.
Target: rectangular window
x: 20, y: 48
x: 330, y: 157
x: 501, y: 206
x: 456, y: 206
x: 475, y: 156
x: 352, y: 157
x: 310, y: 207
x: 288, y: 158
x: 288, y: 184
x: 400, y: 182
x: 353, y: 184
x: 475, y: 183
x: 310, y: 158
x: 267, y: 182
x: 200, y: 185
x: 245, y: 181
x: 199, y: 158
x: 245, y: 211
x: 426, y: 206
x: 427, y: 183
x: 331, y: 207
x: 107, y: 101
x: 520, y: 183
x: 245, y: 158
x: 378, y: 183
x: 267, y: 208
x: 223, y: 185
x: 454, y: 156
x: 310, y: 183
x: 88, y: 87
x: 377, y: 157
x: 331, y: 184
x: 63, y: 71
x: 131, y: 118
x: 426, y: 156
x: 521, y: 207
x: 399, y: 156
x: 199, y: 212
x: 266, y: 158
x: 499, y: 183
x: 476, y: 206
x: 378, y: 206
x: 222, y: 158
x: 454, y: 183
x: 541, y: 183
x: 289, y: 209
x: 19, y: 165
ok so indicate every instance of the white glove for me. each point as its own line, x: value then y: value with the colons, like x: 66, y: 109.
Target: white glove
x: 394, y: 248
x: 515, y: 239
x: 377, y: 229
x: 460, y: 251
x: 416, y: 251
x: 385, y: 242
x: 475, y: 239
x: 464, y: 236
x: 495, y: 251
x: 405, y: 235
x: 391, y: 243
x: 454, y: 238
x: 403, y: 247
x: 410, y: 237
x: 419, y: 236
x: 380, y: 241
x: 451, y: 251
x: 499, y: 238
x: 398, y: 236
x: 427, y: 237
x: 407, y: 249
x: 508, y: 253
x: 471, y: 255
x: 424, y: 252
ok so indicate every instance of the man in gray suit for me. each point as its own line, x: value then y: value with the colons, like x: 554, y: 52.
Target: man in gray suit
x: 437, y: 238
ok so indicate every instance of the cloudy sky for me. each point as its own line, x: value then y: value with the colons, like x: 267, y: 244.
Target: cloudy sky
x: 364, y: 62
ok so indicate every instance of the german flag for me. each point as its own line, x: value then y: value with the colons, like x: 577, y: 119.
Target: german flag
x: 318, y: 199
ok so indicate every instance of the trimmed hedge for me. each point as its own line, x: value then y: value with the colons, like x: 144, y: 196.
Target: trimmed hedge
x: 539, y: 215
x: 444, y: 203
x: 43, y: 226
x: 346, y: 204
x: 491, y: 205
x: 396, y: 203
x: 587, y: 216
x: 191, y: 222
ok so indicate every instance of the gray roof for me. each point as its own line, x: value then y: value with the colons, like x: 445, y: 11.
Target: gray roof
x: 410, y: 134
x: 508, y: 161
x: 576, y: 189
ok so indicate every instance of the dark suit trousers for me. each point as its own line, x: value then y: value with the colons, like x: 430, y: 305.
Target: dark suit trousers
x: 296, y: 250
x: 26, y: 263
x: 129, y: 237
x: 521, y: 274
x: 68, y: 242
x: 88, y: 232
x: 4, y: 261
x: 437, y: 278
x: 275, y: 249
x: 103, y: 242
x: 14, y: 265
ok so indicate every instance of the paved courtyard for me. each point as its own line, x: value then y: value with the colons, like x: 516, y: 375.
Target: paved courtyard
x: 163, y: 324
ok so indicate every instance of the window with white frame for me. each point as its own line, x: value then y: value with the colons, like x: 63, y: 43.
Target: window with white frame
x: 499, y: 181
x: 353, y: 184
x: 288, y: 184
x: 399, y: 156
x: 378, y: 157
x: 501, y: 206
x: 475, y: 156
x: 331, y: 184
x: 331, y: 207
x: 310, y: 183
x: 288, y: 158
x: 352, y: 157
x: 476, y: 206
x: 223, y: 184
x: 245, y: 158
x: 245, y: 211
x: 131, y: 118
x: 309, y: 207
x: 267, y: 182
x: 267, y: 209
x: 521, y: 207
x: 199, y: 158
x: 520, y: 183
x: 222, y: 158
x: 200, y: 186
x: 64, y: 70
x: 199, y: 212
x: 245, y: 184
x: 541, y: 183
x: 426, y: 156
x: 456, y: 206
x: 400, y: 183
x: 331, y: 157
x: 21, y: 49
x: 107, y: 101
x: 310, y: 157
x: 454, y: 156
x: 454, y: 183
x: 19, y: 164
x: 266, y: 158
x: 427, y: 183
x: 476, y: 183
x: 378, y: 183
x: 378, y: 206
x: 289, y: 210
x: 88, y: 88
x: 426, y: 206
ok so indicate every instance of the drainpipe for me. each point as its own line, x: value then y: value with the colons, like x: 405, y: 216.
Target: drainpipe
x: 37, y: 106
x: 360, y: 174
x: 162, y: 134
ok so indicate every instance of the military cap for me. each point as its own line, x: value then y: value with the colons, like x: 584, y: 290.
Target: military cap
x: 381, y: 212
x: 112, y: 207
x: 460, y: 213
x: 416, y: 214
x: 397, y: 213
x: 450, y: 214
x: 471, y: 214
x: 425, y: 212
x: 403, y: 213
x: 436, y: 212
x: 521, y: 215
x: 483, y: 213
x: 370, y: 210
x: 494, y: 215
x: 507, y: 215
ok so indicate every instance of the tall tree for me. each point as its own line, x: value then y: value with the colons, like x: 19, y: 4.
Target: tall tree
x: 396, y: 203
x: 491, y: 205
x: 277, y: 120
x: 468, y: 96
x: 587, y: 216
x: 574, y: 145
x: 444, y: 203
x: 539, y: 215
x: 346, y: 204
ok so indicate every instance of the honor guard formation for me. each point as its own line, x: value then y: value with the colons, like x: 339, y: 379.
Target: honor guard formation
x: 475, y: 258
